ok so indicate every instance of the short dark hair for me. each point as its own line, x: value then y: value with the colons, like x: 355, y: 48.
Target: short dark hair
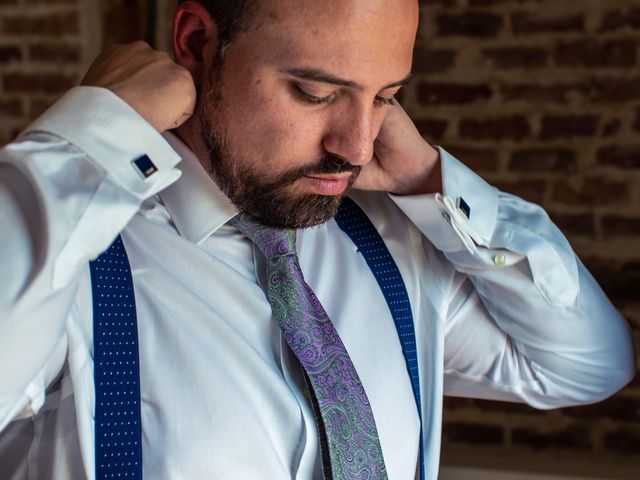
x: 231, y: 17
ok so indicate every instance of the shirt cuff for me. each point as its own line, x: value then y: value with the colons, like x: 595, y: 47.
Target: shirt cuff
x: 464, y: 215
x: 114, y: 136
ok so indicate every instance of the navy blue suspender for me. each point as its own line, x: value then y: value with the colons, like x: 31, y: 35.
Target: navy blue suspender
x: 355, y: 223
x: 116, y: 371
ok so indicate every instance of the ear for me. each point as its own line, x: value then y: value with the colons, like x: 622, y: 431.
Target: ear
x: 195, y: 38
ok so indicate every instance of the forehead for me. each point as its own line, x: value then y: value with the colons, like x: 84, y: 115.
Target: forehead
x: 345, y: 36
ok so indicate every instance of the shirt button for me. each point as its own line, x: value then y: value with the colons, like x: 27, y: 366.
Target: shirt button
x: 500, y: 259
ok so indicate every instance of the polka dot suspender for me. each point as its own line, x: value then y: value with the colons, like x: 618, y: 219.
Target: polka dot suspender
x: 116, y: 374
x: 115, y: 342
x: 355, y: 223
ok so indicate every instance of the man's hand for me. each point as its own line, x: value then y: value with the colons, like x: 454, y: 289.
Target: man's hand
x: 403, y: 162
x: 160, y: 90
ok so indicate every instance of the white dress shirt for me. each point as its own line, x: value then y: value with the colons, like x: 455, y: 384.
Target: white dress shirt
x: 502, y: 308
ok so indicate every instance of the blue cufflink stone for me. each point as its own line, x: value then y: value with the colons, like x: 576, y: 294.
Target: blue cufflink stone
x: 464, y: 208
x: 145, y: 166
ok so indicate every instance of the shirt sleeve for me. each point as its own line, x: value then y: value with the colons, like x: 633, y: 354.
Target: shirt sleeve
x: 526, y: 321
x: 68, y: 185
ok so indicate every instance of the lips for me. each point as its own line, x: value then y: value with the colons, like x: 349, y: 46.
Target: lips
x: 328, y: 184
x: 335, y: 177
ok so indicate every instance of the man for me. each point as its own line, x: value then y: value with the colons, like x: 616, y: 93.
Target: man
x: 275, y: 109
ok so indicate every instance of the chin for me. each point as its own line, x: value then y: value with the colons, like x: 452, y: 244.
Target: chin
x: 303, y: 212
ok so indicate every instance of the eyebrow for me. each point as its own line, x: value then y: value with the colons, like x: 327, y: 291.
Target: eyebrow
x: 316, y: 75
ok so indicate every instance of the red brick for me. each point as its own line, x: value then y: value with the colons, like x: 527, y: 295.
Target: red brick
x: 61, y: 23
x: 592, y: 191
x: 575, y: 225
x: 478, y: 159
x: 563, y: 126
x: 535, y: 93
x: 619, y: 279
x: 432, y: 128
x: 491, y: 3
x: 428, y: 60
x: 15, y: 131
x: 444, y: 3
x: 11, y: 107
x: 634, y: 322
x: 531, y: 190
x: 10, y: 54
x: 623, y: 226
x: 472, y: 433
x: 618, y: 19
x: 456, y: 403
x: 589, y: 53
x: 38, y: 106
x: 431, y: 93
x: 612, y: 89
x: 574, y: 437
x: 559, y: 160
x: 508, y: 407
x: 529, y: 22
x: 49, y: 83
x: 611, y: 128
x: 616, y: 408
x: 513, y: 128
x: 622, y: 440
x: 470, y: 24
x: 626, y: 157
x: 55, y: 53
x: 516, y: 57
x: 50, y: 2
x: 124, y: 22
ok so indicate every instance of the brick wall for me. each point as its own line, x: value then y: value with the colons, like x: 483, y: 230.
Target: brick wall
x: 47, y: 45
x: 542, y: 97
x: 40, y: 55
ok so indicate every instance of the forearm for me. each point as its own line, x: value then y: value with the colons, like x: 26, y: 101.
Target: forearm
x: 37, y: 220
x: 509, y: 337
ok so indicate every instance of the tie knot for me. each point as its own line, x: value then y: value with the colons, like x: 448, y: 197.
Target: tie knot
x: 272, y: 242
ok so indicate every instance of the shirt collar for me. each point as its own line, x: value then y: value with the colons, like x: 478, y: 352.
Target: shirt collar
x: 195, y: 203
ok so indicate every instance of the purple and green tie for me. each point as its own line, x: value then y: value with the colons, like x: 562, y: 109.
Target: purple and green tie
x: 345, y: 421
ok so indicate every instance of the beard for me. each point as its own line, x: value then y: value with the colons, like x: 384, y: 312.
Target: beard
x: 272, y: 202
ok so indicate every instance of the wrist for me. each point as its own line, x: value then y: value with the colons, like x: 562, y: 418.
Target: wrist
x: 428, y: 179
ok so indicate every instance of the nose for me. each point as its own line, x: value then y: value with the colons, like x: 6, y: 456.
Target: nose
x: 351, y: 136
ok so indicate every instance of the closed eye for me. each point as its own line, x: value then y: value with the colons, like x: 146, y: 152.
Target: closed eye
x: 302, y: 94
x: 381, y: 101
x: 308, y: 98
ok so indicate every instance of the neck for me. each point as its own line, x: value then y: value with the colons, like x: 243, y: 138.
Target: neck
x: 189, y: 133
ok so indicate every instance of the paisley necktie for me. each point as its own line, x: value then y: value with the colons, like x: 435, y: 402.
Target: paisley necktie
x: 345, y: 420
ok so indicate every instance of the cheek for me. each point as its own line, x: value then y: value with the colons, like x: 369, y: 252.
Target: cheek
x: 274, y: 128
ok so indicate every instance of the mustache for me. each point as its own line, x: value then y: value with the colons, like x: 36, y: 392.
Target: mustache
x: 326, y: 165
